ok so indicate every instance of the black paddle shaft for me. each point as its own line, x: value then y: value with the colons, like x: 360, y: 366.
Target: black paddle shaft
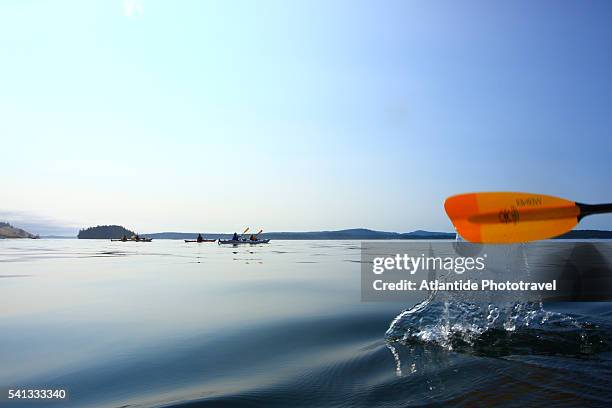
x: 590, y: 209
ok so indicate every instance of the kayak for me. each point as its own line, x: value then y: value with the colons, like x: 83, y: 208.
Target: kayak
x: 204, y: 240
x: 133, y: 240
x: 246, y: 241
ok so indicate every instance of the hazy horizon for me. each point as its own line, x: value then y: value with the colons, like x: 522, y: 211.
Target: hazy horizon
x: 298, y: 116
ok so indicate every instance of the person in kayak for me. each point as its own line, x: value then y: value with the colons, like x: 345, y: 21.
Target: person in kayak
x: 124, y: 238
x: 253, y: 237
x: 235, y: 237
x: 200, y: 239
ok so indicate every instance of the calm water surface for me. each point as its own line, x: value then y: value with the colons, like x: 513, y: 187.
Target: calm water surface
x: 173, y: 324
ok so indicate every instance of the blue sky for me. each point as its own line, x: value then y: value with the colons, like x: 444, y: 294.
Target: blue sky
x: 298, y: 115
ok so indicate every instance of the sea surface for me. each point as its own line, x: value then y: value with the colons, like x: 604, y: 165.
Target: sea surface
x: 171, y: 324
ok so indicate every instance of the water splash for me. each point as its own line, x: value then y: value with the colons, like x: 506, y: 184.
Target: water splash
x: 498, y: 330
x: 455, y: 322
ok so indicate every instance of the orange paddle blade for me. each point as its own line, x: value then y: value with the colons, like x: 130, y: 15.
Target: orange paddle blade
x: 510, y: 217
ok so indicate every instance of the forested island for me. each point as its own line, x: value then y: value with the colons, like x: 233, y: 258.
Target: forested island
x: 105, y: 232
x: 8, y: 231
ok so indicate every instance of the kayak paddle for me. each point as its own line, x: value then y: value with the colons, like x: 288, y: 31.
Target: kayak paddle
x: 244, y: 232
x: 506, y: 217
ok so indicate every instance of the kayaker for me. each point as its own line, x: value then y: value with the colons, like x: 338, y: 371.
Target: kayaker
x: 253, y: 237
x: 124, y: 238
x: 235, y: 237
x: 200, y: 239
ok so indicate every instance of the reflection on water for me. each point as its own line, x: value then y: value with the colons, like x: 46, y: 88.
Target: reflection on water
x: 173, y: 324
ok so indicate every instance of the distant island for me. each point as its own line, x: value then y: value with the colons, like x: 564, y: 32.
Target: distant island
x: 8, y: 231
x: 105, y: 232
x: 586, y: 234
x: 117, y: 232
x: 356, y: 233
x: 364, y: 234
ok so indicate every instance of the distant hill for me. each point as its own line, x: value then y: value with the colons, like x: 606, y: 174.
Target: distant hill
x: 586, y: 234
x: 364, y: 234
x: 105, y: 232
x: 356, y: 233
x: 420, y: 234
x: 8, y: 231
x: 359, y: 233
